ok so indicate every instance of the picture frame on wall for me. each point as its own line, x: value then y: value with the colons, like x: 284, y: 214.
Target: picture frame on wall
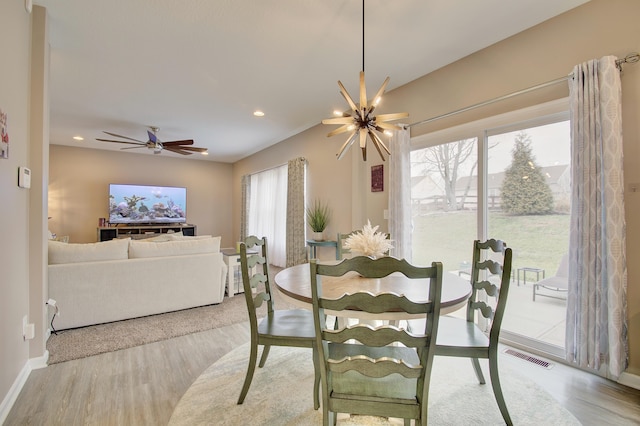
x: 4, y: 135
x: 377, y: 178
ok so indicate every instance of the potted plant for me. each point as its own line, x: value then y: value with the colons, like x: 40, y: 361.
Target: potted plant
x: 318, y: 218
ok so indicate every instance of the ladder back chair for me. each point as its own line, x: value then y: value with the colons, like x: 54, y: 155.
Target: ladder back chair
x: 459, y: 337
x: 291, y: 327
x: 382, y: 371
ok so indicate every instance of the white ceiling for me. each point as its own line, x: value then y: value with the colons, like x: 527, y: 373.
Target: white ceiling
x: 197, y: 69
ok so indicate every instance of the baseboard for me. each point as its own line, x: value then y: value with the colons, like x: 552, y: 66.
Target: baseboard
x: 18, y: 384
x: 39, y: 362
x: 14, y: 391
x: 628, y: 379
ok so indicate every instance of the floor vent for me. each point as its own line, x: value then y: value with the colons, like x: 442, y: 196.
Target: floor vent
x: 529, y: 358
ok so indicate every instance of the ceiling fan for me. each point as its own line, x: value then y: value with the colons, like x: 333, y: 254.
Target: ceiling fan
x: 181, y: 147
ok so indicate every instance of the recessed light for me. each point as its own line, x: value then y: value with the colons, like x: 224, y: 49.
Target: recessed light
x: 258, y: 113
x: 78, y: 138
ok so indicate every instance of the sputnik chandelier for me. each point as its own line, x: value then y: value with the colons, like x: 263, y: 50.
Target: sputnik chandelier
x: 360, y: 121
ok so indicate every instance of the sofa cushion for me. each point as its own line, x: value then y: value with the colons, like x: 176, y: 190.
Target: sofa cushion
x: 141, y: 249
x: 60, y: 252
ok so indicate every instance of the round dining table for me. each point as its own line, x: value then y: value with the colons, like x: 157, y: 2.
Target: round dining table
x: 294, y: 285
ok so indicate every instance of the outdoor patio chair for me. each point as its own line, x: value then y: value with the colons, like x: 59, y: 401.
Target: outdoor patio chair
x: 460, y: 337
x: 558, y: 283
x: 291, y: 327
x: 382, y: 371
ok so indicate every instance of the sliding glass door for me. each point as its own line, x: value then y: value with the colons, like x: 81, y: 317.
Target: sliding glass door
x: 508, y: 179
x: 529, y: 173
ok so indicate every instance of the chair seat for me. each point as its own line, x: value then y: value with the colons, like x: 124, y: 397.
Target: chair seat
x: 294, y: 323
x: 458, y: 332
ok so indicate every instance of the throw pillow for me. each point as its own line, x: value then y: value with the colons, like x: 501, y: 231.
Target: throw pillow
x: 60, y: 252
x: 181, y: 247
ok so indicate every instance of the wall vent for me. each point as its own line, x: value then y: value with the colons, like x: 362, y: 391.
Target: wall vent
x: 537, y: 361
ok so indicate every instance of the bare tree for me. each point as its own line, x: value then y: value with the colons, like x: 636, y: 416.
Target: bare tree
x: 445, y: 160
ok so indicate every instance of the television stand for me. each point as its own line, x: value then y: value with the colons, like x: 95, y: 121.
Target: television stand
x: 146, y: 231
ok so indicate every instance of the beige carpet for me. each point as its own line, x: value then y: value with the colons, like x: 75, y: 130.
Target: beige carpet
x: 93, y: 340
x: 281, y: 394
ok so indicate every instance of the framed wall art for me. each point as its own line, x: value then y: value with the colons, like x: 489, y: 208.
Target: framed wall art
x: 377, y: 178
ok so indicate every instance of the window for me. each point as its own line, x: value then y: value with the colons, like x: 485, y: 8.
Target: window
x: 267, y: 215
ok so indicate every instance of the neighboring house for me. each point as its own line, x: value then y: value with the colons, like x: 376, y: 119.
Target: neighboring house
x: 427, y: 196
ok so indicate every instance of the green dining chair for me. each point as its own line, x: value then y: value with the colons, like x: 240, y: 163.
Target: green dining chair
x: 285, y: 327
x: 382, y: 371
x: 462, y: 337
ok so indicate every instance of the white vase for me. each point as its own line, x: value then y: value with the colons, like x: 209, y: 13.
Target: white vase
x: 317, y: 236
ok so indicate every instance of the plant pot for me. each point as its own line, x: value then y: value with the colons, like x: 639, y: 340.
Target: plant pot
x: 317, y: 236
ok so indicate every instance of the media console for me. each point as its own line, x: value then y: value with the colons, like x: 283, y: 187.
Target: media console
x: 146, y: 231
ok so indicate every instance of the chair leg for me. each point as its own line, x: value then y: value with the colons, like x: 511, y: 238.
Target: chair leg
x: 478, y: 370
x: 316, y: 381
x: 497, y: 390
x: 265, y: 354
x: 253, y: 355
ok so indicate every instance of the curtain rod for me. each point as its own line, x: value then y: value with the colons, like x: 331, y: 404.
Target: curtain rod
x: 630, y: 58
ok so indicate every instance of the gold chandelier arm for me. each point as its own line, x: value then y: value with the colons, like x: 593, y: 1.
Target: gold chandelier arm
x: 363, y: 92
x: 375, y: 143
x: 378, y: 96
x: 341, y: 129
x: 379, y: 142
x: 388, y: 126
x: 390, y: 117
x: 345, y: 94
x: 347, y: 145
x: 338, y: 120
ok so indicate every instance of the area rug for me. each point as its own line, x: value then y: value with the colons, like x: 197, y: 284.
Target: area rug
x: 282, y: 394
x: 82, y: 342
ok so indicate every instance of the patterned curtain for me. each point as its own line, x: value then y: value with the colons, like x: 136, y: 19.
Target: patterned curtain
x: 596, y: 333
x: 244, y: 211
x: 400, y: 194
x: 296, y: 251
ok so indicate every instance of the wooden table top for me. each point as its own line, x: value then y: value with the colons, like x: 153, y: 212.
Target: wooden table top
x: 294, y: 284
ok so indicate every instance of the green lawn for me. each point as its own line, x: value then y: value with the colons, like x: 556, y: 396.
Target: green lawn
x: 537, y: 241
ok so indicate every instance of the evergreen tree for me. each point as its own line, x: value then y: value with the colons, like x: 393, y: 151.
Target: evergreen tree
x: 524, y: 188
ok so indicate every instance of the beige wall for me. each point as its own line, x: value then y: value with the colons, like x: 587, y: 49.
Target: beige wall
x: 540, y: 54
x: 79, y: 181
x: 14, y: 277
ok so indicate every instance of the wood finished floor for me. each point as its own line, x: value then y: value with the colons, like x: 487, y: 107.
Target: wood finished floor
x: 142, y: 385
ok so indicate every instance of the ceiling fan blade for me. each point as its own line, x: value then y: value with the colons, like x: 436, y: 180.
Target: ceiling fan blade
x: 123, y: 137
x: 132, y: 143
x: 189, y: 148
x: 152, y: 137
x: 134, y: 147
x: 173, y: 143
x: 177, y: 150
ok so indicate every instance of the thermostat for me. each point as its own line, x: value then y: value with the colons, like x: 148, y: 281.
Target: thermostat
x: 24, y: 177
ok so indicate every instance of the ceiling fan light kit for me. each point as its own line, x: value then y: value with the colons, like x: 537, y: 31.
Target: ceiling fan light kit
x: 182, y: 147
x: 360, y: 121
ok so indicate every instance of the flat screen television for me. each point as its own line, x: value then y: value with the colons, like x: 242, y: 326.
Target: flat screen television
x: 140, y: 204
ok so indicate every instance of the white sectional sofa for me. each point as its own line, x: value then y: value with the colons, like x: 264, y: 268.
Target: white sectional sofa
x: 119, y: 279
